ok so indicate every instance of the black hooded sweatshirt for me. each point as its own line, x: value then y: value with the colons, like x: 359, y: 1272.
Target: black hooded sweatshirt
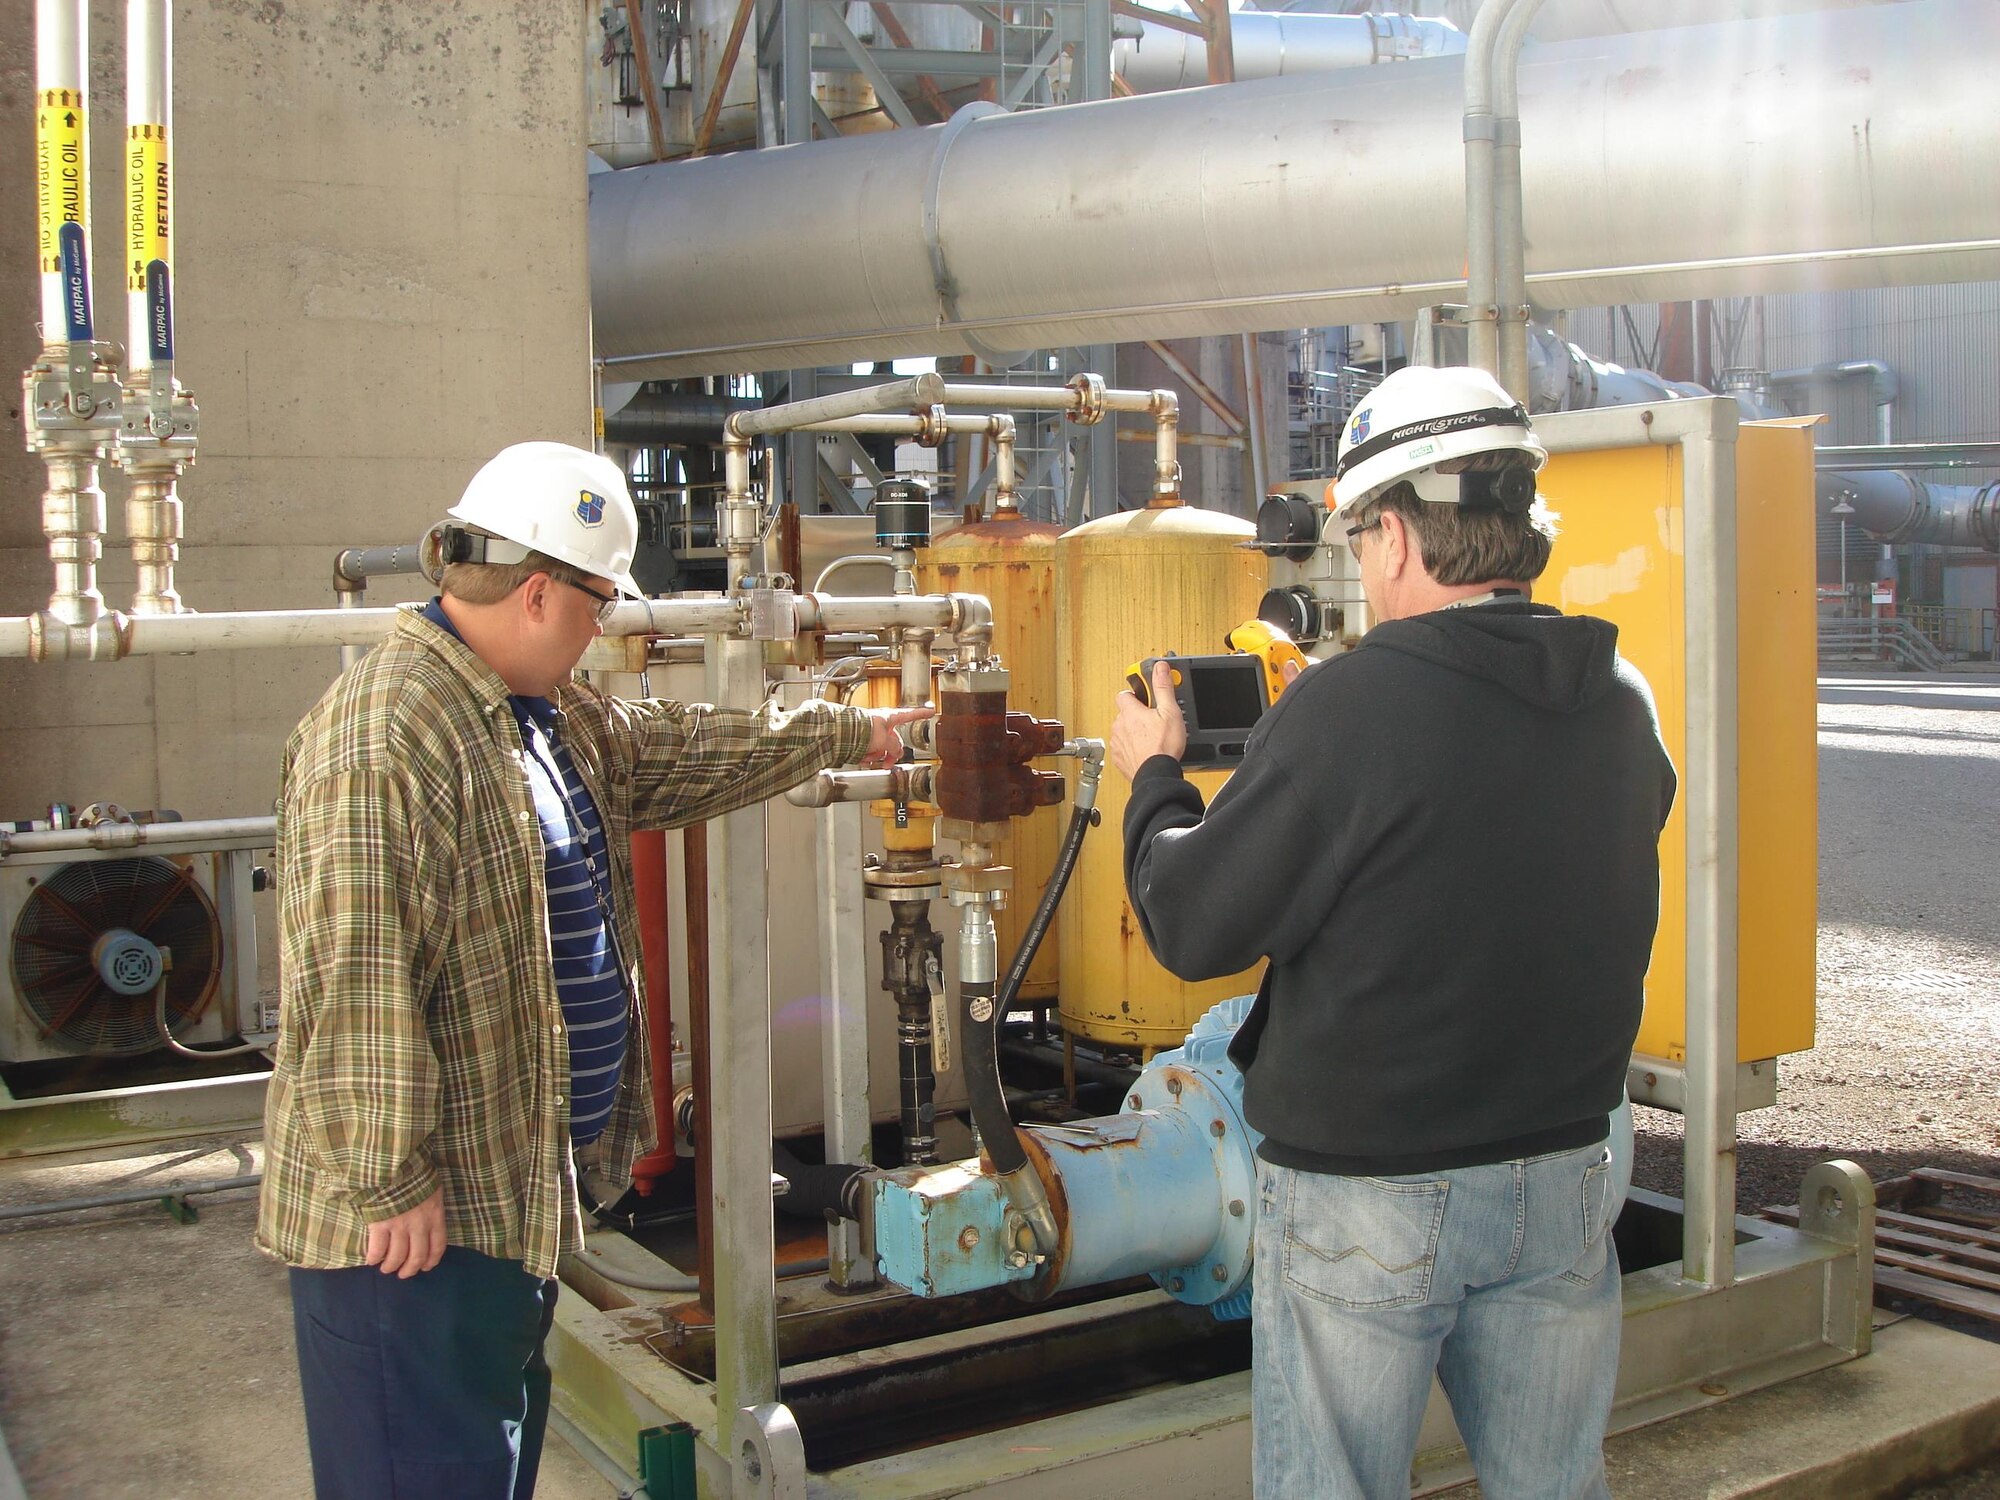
x: 1446, y: 844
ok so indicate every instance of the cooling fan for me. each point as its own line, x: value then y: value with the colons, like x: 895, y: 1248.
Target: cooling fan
x: 94, y: 940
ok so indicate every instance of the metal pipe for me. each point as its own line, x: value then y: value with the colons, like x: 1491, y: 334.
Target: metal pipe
x: 1006, y: 500
x: 844, y: 1061
x: 1893, y: 506
x: 116, y: 635
x: 1166, y: 448
x: 206, y: 832
x: 1267, y: 44
x: 354, y: 566
x: 62, y: 147
x: 1480, y: 131
x: 650, y: 910
x: 156, y: 438
x: 791, y: 416
x: 852, y: 559
x: 828, y: 788
x: 820, y: 255
x: 1509, y: 225
x: 130, y: 1195
x: 1883, y: 386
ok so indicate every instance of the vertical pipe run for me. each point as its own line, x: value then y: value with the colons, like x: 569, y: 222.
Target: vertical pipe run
x: 1480, y: 133
x: 1708, y: 1251
x: 62, y: 151
x: 1509, y: 225
x: 71, y: 404
x: 156, y: 439
x: 844, y: 1052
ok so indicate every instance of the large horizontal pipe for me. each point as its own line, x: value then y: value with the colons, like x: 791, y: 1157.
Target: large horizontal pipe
x: 1801, y: 152
x: 1892, y: 506
x: 673, y: 418
x: 1267, y: 44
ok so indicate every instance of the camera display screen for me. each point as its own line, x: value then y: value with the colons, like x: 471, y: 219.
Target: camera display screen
x: 1227, y: 694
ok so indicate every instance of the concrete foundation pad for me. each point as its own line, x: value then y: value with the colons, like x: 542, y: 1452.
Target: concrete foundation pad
x: 1925, y: 1403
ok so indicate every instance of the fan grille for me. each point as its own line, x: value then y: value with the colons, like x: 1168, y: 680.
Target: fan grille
x: 58, y: 981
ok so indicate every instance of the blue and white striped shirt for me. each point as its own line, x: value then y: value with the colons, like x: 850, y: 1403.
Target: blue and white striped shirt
x: 588, y: 981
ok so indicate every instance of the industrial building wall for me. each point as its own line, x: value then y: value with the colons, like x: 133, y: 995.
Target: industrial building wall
x: 1938, y: 339
x: 380, y: 280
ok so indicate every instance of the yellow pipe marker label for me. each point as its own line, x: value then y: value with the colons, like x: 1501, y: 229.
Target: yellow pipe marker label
x: 60, y: 169
x: 148, y: 203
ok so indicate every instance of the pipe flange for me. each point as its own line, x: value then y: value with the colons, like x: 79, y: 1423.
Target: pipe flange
x: 931, y: 429
x: 1089, y: 409
x: 1198, y: 1079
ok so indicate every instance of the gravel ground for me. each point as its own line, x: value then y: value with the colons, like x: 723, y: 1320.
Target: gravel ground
x: 1906, y: 1071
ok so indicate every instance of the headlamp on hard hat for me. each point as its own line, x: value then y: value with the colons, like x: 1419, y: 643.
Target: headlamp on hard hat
x: 1510, y: 489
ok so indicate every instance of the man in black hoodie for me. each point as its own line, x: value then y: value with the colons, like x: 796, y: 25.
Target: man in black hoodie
x: 1445, y: 843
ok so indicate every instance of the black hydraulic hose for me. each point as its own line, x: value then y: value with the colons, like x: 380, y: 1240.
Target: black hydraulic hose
x: 816, y: 1191
x: 1080, y: 821
x: 985, y: 1011
x: 129, y: 1195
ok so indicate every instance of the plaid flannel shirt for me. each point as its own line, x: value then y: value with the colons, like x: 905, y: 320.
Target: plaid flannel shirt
x: 421, y: 1042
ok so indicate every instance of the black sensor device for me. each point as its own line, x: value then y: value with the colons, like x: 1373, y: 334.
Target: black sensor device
x: 1221, y: 699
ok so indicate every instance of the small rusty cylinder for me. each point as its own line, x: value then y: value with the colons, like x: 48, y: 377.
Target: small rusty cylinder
x: 982, y: 750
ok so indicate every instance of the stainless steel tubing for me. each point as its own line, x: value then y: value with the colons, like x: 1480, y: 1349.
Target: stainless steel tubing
x: 918, y: 390
x: 1480, y: 133
x: 932, y: 611
x: 43, y: 638
x: 1510, y: 248
x: 1704, y: 172
x: 205, y: 832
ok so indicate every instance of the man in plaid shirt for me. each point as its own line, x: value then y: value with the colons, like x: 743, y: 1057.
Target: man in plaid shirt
x: 459, y: 979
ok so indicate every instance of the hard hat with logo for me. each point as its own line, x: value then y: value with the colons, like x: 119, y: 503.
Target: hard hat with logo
x: 567, y: 503
x: 1423, y: 416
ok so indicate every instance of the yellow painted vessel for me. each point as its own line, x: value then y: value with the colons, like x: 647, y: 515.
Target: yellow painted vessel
x: 1127, y: 587
x: 1011, y: 560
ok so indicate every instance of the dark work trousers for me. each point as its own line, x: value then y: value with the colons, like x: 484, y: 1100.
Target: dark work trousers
x: 434, y: 1388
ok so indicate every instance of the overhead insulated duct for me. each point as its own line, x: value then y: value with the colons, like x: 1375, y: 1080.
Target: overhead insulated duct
x: 1802, y: 152
x: 1893, y: 506
x: 1271, y: 44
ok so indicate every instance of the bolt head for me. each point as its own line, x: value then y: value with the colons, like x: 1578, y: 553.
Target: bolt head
x: 1173, y: 1086
x: 1235, y: 1208
x: 1219, y: 1272
x: 1217, y: 1128
x: 1136, y: 1102
x: 1175, y: 1284
x: 968, y: 1238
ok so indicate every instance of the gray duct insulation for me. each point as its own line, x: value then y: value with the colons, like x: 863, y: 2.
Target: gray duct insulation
x: 1800, y: 152
x: 1271, y: 44
x: 1893, y: 506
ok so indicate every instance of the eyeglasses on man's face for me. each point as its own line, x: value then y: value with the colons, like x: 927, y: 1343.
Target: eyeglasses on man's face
x: 1354, y: 534
x: 606, y: 603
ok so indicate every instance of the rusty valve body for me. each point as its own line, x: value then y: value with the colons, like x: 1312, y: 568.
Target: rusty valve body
x: 983, y: 749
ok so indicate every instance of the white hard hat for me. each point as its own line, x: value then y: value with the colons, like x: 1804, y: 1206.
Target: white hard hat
x: 568, y: 503
x: 1420, y: 417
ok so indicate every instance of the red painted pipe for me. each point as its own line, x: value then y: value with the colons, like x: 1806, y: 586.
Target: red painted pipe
x: 649, y: 884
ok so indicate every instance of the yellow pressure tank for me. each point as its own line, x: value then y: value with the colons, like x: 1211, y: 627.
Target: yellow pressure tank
x: 1131, y: 586
x: 1011, y: 560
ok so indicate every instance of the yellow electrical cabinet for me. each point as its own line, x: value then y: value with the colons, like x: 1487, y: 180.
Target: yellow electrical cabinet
x: 1621, y: 556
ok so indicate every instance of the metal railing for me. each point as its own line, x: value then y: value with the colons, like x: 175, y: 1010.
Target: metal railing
x: 1894, y: 641
x: 1954, y: 631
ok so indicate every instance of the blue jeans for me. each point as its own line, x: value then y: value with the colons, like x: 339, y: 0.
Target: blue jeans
x: 434, y: 1388
x: 1502, y: 1279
